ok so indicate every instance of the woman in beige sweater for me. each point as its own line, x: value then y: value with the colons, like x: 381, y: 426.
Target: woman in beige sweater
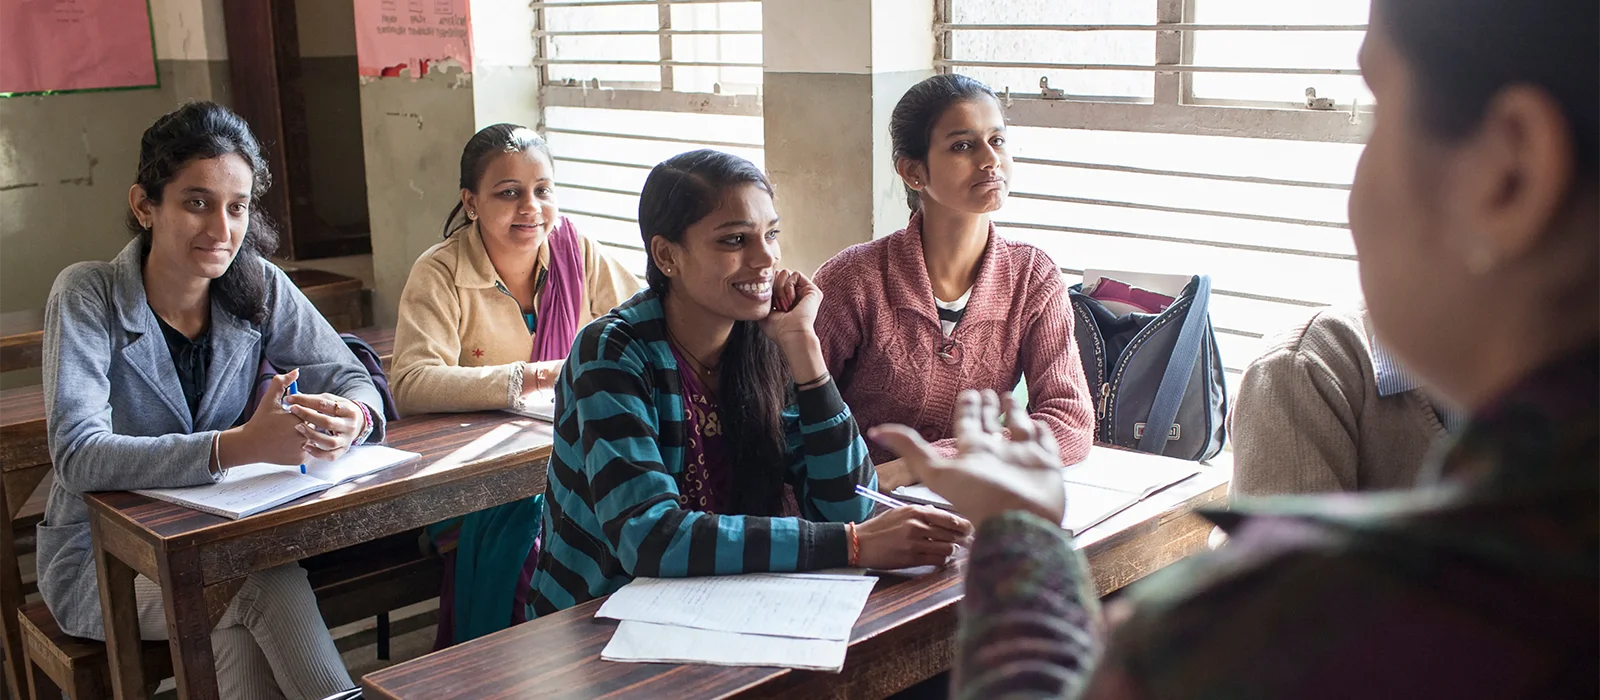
x: 486, y: 320
x: 488, y: 315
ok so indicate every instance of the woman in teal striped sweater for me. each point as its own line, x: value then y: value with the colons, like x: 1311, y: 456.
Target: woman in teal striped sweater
x: 698, y: 431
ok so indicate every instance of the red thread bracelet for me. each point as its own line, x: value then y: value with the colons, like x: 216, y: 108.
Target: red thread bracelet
x: 855, y: 545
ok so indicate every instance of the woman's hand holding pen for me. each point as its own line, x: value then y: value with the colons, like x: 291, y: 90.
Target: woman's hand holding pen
x: 330, y: 423
x: 271, y: 435
x: 911, y: 536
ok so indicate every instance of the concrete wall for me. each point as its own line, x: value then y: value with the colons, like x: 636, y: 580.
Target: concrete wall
x: 66, y: 161
x: 413, y: 131
x: 834, y: 71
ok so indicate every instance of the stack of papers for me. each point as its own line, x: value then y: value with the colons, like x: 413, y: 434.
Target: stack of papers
x: 785, y: 620
x: 251, y: 488
x: 1105, y: 483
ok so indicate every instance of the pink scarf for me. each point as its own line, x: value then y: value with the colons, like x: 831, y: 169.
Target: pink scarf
x: 559, y: 307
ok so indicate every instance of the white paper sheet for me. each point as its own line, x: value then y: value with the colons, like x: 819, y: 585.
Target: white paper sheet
x: 1134, y: 473
x: 648, y: 642
x: 252, y: 488
x: 247, y: 490
x: 540, y: 405
x: 810, y: 606
x: 1108, y: 482
x: 360, y: 461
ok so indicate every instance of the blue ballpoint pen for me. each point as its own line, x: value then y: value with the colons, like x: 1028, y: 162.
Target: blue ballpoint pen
x: 293, y: 388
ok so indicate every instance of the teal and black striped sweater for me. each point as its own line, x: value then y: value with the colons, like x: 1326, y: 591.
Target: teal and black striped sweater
x: 613, y: 510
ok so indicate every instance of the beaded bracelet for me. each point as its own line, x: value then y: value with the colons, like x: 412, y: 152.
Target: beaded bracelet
x: 366, y: 431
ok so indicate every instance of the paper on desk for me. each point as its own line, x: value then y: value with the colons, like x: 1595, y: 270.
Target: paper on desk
x: 811, y: 606
x: 540, y: 405
x: 1087, y: 506
x: 1130, y: 472
x: 648, y: 642
x: 359, y: 461
x: 1105, y: 483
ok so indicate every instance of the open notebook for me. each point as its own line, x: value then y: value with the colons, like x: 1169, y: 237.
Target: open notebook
x: 1107, y: 482
x: 540, y: 406
x: 251, y: 488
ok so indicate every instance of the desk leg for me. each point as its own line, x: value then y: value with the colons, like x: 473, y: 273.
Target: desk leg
x: 121, y: 616
x: 11, y: 600
x: 188, y: 626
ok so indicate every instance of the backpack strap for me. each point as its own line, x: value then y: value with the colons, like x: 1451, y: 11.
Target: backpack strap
x: 1180, y: 368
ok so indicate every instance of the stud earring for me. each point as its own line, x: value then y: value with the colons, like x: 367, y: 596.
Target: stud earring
x: 472, y: 216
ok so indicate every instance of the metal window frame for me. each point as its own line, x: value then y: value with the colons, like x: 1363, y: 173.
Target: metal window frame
x: 595, y: 94
x: 1174, y: 108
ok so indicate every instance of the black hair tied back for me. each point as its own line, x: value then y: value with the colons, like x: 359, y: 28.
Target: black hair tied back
x: 200, y: 131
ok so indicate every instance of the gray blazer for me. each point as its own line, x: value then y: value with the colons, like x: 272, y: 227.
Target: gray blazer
x: 116, y: 414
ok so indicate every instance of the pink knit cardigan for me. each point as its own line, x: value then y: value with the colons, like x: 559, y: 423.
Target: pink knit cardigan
x: 881, y: 337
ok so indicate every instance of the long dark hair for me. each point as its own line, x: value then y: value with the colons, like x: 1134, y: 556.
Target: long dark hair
x: 490, y: 141
x: 1463, y: 52
x: 911, y: 122
x: 198, y: 131
x: 755, y: 381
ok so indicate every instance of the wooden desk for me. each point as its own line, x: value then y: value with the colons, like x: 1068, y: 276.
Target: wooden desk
x: 22, y: 340
x: 905, y: 635
x: 469, y: 462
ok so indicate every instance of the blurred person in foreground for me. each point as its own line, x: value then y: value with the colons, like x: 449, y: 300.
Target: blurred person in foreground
x: 1474, y: 212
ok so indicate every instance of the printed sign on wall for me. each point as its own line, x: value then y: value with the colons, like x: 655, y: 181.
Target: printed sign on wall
x: 60, y: 45
x: 409, y: 34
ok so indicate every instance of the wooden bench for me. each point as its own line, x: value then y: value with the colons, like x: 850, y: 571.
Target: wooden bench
x: 337, y: 297
x: 351, y: 584
x: 22, y: 340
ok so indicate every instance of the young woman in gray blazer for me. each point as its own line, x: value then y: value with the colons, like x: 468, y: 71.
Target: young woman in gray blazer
x: 150, y: 363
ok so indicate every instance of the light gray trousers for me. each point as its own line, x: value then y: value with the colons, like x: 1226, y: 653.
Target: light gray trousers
x: 270, y: 644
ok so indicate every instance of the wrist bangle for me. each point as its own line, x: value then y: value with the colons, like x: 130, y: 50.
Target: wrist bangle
x: 216, y: 456
x: 819, y: 381
x: 855, y: 545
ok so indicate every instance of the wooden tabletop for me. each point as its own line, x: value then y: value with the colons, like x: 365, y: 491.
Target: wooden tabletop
x: 499, y: 456
x: 22, y: 340
x: 905, y: 635
x: 468, y: 462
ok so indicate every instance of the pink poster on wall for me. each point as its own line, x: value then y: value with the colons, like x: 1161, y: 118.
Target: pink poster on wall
x: 409, y: 34
x: 51, y: 45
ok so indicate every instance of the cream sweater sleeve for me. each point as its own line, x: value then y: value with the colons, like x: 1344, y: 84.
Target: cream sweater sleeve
x: 607, y: 281
x: 427, y: 376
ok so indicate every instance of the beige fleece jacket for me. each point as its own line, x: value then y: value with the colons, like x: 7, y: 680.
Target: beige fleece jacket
x: 1308, y: 417
x: 460, y: 343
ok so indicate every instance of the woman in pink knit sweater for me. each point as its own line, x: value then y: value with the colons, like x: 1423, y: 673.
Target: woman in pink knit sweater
x: 945, y: 304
